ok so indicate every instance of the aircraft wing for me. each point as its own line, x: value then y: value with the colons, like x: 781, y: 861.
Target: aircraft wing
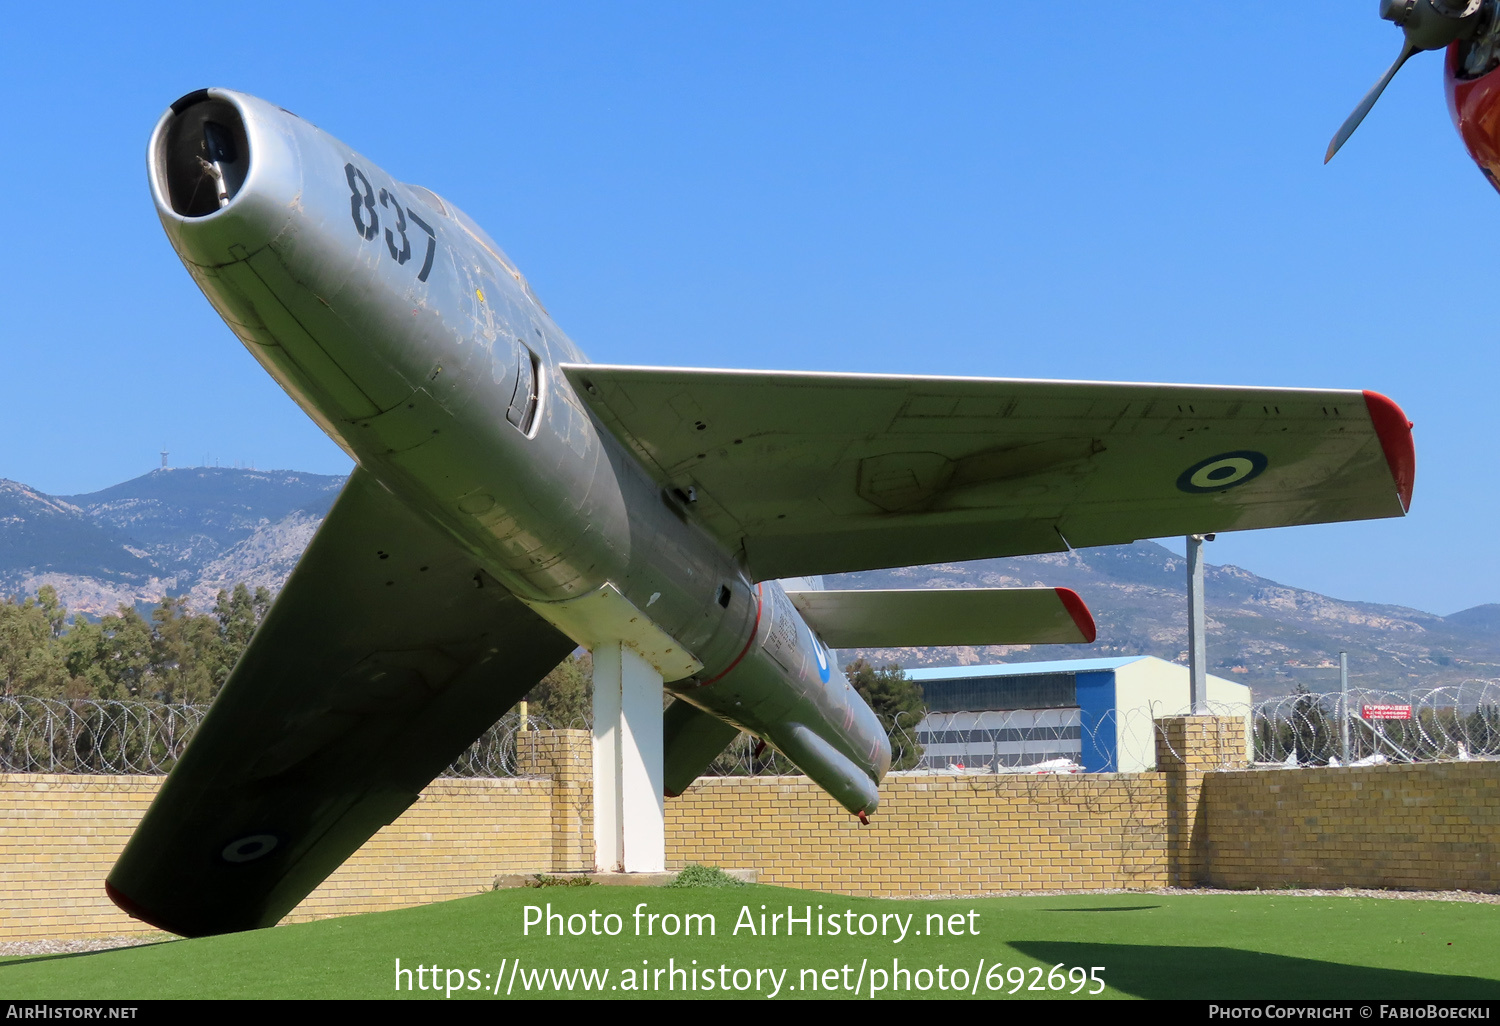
x: 946, y: 616
x: 807, y: 473
x: 383, y: 658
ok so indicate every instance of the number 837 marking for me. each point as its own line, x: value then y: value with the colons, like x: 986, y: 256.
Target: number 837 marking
x: 367, y: 221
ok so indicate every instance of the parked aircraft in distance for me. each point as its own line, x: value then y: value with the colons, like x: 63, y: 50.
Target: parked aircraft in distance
x: 513, y: 501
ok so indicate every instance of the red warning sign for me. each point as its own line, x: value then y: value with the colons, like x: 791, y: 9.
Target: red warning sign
x: 1386, y: 712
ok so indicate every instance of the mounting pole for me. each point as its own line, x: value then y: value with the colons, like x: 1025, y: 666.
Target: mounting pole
x: 1197, y: 627
x: 1344, y: 707
x: 629, y: 782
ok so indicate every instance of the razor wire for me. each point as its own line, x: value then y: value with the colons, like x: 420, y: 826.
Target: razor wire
x: 95, y: 736
x: 1454, y: 722
x: 493, y: 753
x: 750, y: 756
x: 990, y: 742
x: 41, y: 735
x: 1062, y: 740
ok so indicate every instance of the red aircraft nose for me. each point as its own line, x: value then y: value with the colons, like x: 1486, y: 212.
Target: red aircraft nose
x: 1474, y: 104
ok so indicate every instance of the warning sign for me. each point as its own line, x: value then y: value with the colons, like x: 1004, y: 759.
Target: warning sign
x: 1386, y: 712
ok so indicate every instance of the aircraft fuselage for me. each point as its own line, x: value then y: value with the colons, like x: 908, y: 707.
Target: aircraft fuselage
x: 411, y: 338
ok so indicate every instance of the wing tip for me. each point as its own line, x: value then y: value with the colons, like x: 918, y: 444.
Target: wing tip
x: 1394, y: 432
x: 134, y: 910
x: 1079, y: 611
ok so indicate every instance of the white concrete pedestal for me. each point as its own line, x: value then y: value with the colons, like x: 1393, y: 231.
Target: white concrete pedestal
x: 629, y: 783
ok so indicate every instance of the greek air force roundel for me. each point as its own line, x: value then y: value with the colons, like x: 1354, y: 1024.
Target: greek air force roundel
x: 1225, y: 470
x: 824, y: 670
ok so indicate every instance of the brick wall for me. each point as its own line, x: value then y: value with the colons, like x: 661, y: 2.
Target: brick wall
x: 933, y: 834
x: 1433, y: 826
x: 1428, y: 826
x: 60, y: 835
x: 1188, y: 748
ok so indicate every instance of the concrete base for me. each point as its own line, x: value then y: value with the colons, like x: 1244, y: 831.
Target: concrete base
x: 507, y: 880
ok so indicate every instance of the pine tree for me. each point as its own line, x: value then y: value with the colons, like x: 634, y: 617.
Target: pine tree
x: 898, y: 704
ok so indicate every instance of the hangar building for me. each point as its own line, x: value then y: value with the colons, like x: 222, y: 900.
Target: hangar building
x: 1097, y: 713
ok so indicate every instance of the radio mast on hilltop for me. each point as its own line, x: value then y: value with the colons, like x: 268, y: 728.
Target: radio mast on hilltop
x: 164, y: 459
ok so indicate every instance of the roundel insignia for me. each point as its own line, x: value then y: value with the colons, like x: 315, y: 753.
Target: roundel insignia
x: 822, y: 653
x: 1225, y: 470
x: 248, y: 849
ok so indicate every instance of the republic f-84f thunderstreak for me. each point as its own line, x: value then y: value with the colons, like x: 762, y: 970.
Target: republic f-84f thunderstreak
x: 512, y: 501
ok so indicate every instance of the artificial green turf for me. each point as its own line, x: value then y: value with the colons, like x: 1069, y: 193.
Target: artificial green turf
x: 1150, y: 945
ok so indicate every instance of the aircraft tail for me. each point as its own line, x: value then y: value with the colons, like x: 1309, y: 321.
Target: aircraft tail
x: 691, y: 740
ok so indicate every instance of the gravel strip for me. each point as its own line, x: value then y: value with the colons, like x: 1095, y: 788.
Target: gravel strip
x: 12, y: 949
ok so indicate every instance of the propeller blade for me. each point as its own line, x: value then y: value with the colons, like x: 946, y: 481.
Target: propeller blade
x: 1353, y: 120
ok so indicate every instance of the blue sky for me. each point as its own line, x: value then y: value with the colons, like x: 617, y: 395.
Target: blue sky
x: 949, y: 189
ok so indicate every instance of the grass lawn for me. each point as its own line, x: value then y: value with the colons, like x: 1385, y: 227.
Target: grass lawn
x: 1148, y: 945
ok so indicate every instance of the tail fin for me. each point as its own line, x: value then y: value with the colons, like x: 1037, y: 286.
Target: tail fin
x: 691, y: 739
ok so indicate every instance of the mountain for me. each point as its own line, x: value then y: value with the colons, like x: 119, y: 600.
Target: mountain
x: 50, y: 536
x: 195, y: 530
x: 1262, y: 633
x: 181, y: 530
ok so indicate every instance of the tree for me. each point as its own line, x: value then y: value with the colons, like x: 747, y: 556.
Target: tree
x: 52, y: 607
x: 187, y: 654
x: 565, y: 697
x: 898, y: 704
x: 125, y: 653
x: 29, y: 663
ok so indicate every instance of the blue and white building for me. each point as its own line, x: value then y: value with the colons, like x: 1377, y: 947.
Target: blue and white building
x: 1095, y: 713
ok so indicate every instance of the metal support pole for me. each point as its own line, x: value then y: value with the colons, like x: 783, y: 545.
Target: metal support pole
x: 629, y: 790
x: 1197, y: 628
x: 1344, y: 708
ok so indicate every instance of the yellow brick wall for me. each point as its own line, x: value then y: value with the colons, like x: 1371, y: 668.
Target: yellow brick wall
x: 1430, y: 826
x: 1434, y: 826
x: 60, y: 835
x: 452, y: 843
x: 1188, y: 748
x: 566, y: 757
x: 933, y: 834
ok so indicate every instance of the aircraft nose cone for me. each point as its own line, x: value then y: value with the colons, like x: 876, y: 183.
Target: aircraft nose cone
x: 224, y: 174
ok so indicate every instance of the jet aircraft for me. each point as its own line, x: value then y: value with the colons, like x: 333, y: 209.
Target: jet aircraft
x: 512, y: 501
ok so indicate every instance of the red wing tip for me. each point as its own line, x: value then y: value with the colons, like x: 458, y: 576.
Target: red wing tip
x: 1394, y: 432
x: 1079, y: 611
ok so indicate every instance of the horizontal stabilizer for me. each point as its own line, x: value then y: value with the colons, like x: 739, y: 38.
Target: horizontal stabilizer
x: 956, y: 616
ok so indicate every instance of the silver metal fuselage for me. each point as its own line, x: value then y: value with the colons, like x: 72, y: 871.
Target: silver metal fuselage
x: 414, y: 342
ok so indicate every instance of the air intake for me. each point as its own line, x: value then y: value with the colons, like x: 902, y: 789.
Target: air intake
x: 204, y: 155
